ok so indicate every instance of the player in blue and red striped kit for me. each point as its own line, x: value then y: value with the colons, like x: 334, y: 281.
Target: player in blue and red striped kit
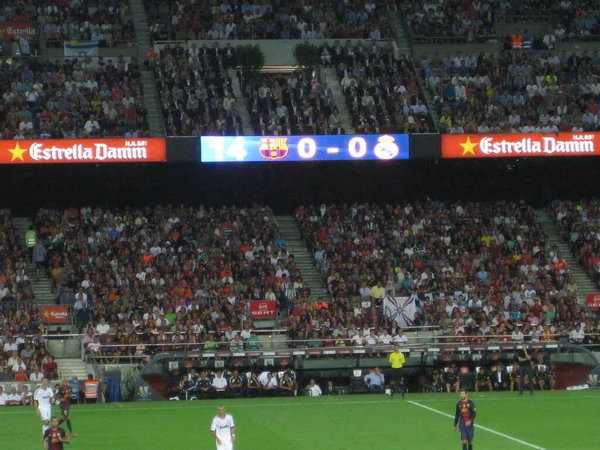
x: 464, y: 420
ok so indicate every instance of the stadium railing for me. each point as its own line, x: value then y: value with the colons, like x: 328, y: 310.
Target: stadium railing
x: 418, y: 39
x: 114, y: 44
x: 525, y: 18
x: 451, y: 342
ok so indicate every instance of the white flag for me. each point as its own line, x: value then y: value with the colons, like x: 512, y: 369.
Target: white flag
x: 76, y: 49
x: 401, y: 309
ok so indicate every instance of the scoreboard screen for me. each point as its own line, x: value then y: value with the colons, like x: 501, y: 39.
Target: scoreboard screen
x: 369, y: 147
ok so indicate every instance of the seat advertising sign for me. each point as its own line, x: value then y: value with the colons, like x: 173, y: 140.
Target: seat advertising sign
x: 263, y: 309
x: 94, y: 151
x: 467, y: 146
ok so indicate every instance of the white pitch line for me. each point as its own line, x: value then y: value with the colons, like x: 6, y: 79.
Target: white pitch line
x: 201, y: 405
x: 479, y: 427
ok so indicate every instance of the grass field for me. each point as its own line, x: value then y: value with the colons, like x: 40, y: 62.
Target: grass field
x: 547, y: 421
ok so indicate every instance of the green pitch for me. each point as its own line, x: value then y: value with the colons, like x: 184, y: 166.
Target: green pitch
x: 547, y: 421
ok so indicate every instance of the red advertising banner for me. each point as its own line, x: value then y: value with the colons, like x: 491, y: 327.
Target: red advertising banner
x: 11, y: 30
x: 592, y: 301
x: 520, y: 145
x: 95, y: 151
x: 55, y: 314
x: 263, y: 309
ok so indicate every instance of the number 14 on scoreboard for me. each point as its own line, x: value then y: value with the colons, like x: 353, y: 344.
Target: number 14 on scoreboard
x: 235, y: 150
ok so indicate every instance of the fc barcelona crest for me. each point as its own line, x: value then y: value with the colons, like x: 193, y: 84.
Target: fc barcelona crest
x: 274, y: 148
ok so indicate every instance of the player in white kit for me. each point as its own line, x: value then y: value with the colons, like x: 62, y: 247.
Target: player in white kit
x: 222, y: 428
x: 43, y: 400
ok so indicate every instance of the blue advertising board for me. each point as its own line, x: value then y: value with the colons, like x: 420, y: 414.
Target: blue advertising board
x: 369, y: 147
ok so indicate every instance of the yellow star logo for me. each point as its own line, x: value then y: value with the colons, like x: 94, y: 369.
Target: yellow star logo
x: 469, y: 147
x: 17, y: 153
x: 46, y: 314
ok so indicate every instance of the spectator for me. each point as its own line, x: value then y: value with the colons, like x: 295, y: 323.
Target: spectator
x: 36, y: 376
x: 3, y: 397
x: 375, y: 381
x: 313, y: 389
x: 19, y: 365
x: 50, y: 369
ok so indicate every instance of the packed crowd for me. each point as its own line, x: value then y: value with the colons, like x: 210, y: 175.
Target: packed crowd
x: 18, y: 312
x: 71, y: 99
x: 446, y: 21
x: 381, y: 91
x: 110, y: 23
x: 172, y: 274
x: 195, y: 91
x: 268, y: 20
x: 23, y: 355
x: 579, y: 222
x: 515, y: 93
x: 25, y: 358
x: 290, y: 104
x: 478, y: 270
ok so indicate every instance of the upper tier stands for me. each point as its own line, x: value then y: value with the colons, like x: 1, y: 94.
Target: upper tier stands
x: 268, y: 20
x: 448, y: 21
x: 480, y: 267
x: 289, y: 104
x: 110, y: 23
x: 579, y: 221
x: 195, y: 91
x: 515, y: 92
x: 382, y: 93
x: 67, y: 99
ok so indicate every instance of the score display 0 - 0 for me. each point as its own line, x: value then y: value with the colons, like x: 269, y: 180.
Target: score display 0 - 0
x: 369, y: 147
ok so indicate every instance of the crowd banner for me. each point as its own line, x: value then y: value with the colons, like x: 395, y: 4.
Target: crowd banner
x: 465, y: 146
x: 76, y: 49
x: 95, y: 151
x: 263, y: 309
x: 402, y: 310
x: 10, y: 31
x: 55, y: 314
x: 592, y: 301
x: 339, y: 147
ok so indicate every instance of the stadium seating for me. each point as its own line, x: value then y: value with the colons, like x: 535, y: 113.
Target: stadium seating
x: 446, y: 22
x: 578, y: 222
x: 381, y: 92
x: 507, y: 92
x: 284, y: 104
x: 17, y: 299
x: 21, y: 336
x: 195, y: 91
x: 70, y: 99
x: 457, y: 258
x: 111, y: 25
x: 172, y: 269
x: 266, y: 20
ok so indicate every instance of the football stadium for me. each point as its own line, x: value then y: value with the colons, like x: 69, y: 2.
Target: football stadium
x: 251, y: 224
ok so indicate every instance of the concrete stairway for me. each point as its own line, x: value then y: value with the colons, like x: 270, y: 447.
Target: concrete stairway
x: 584, y: 283
x: 69, y: 367
x: 340, y: 99
x: 404, y: 47
x: 242, y: 106
x: 144, y: 44
x: 304, y: 260
x: 42, y: 287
